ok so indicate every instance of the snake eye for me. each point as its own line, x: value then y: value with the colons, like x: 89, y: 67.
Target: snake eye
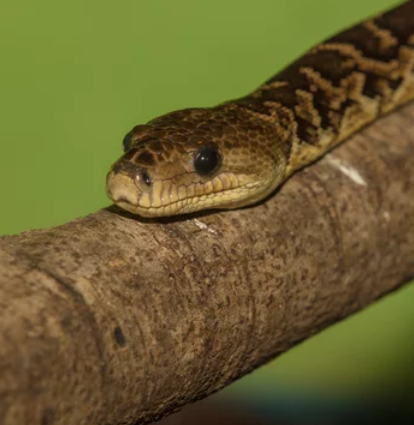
x: 206, y: 160
x: 126, y: 143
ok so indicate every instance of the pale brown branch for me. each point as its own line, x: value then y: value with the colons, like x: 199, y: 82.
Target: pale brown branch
x: 110, y: 320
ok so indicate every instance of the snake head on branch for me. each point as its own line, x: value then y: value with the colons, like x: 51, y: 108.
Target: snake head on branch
x: 236, y: 154
x: 196, y: 159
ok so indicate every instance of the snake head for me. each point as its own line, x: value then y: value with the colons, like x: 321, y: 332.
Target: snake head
x: 193, y: 160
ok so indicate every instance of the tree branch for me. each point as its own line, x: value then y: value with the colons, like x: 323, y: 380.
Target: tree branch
x: 114, y: 320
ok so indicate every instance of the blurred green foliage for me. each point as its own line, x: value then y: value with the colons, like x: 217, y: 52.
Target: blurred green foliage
x: 76, y: 76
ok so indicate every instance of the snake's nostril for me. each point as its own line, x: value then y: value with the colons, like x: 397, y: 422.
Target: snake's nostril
x: 143, y: 180
x: 146, y: 178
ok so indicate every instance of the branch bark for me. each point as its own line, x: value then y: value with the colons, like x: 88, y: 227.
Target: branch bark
x: 115, y: 320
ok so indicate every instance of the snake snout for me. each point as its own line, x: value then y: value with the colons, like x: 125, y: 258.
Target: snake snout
x: 126, y: 182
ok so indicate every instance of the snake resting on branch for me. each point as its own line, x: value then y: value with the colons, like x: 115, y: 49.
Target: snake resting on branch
x: 239, y: 152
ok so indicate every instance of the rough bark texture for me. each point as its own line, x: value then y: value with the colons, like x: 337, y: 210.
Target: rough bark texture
x: 110, y: 320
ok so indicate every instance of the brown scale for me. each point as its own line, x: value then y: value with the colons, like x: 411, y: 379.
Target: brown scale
x: 237, y: 153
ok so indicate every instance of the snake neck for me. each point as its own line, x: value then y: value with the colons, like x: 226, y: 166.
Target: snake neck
x: 339, y: 86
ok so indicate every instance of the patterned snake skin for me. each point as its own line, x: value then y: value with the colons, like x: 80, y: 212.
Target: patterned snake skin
x: 237, y: 153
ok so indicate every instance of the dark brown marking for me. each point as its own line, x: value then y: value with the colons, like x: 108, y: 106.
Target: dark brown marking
x: 145, y: 158
x: 399, y: 21
x: 119, y: 336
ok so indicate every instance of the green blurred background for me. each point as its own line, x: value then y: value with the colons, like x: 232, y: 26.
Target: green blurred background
x: 76, y: 76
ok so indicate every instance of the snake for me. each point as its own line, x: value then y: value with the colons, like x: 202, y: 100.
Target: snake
x: 238, y: 153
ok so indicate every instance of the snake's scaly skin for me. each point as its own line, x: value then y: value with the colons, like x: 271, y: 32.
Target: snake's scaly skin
x: 328, y: 94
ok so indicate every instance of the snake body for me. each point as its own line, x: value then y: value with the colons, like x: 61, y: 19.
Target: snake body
x: 239, y: 152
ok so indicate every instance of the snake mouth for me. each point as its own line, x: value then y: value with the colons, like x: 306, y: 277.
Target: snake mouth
x: 167, y: 200
x: 225, y: 199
